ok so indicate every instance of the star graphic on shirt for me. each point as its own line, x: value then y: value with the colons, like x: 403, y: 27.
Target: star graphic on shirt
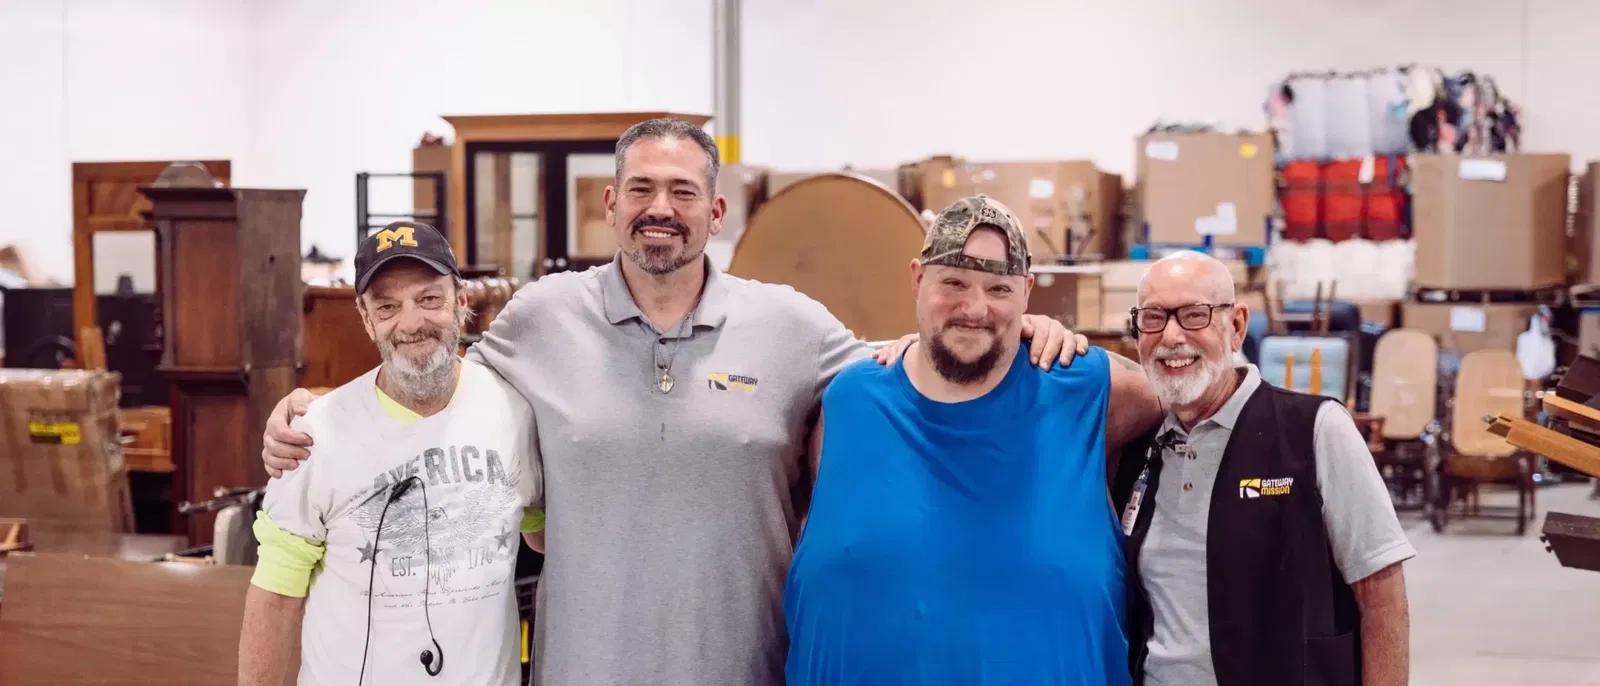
x: 369, y: 552
x: 504, y: 539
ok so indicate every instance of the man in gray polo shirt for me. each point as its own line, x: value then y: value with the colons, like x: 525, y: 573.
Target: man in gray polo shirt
x: 672, y: 406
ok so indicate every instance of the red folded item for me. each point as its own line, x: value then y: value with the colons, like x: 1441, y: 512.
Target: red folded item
x: 1302, y: 204
x: 1342, y: 200
x: 1384, y: 200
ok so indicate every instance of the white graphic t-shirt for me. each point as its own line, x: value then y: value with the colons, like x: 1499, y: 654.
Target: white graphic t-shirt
x: 453, y: 537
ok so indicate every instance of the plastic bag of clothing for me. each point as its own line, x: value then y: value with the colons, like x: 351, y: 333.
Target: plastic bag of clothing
x: 1348, y: 118
x: 1388, y: 108
x: 1306, y: 119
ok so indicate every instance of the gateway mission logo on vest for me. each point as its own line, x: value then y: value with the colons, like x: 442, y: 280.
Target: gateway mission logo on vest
x: 719, y: 381
x: 1255, y: 488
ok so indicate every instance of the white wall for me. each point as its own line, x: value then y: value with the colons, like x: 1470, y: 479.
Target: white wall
x: 352, y: 85
x: 108, y: 80
x: 305, y: 93
x: 879, y: 83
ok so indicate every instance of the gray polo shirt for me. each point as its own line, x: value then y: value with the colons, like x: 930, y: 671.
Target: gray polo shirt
x: 1362, y: 527
x: 670, y: 517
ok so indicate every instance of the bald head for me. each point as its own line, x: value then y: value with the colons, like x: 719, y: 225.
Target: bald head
x: 1189, y: 271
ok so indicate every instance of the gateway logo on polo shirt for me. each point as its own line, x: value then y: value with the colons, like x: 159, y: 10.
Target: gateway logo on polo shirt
x: 721, y: 381
x: 1255, y: 488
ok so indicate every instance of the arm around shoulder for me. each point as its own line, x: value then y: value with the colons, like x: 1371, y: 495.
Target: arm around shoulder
x: 1133, y: 409
x: 515, y: 322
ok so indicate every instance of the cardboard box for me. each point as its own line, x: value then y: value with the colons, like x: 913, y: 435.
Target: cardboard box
x: 1053, y: 200
x: 1193, y: 185
x: 1589, y: 334
x: 1068, y: 294
x: 1495, y: 222
x: 1114, y: 307
x: 61, y: 462
x: 1464, y: 328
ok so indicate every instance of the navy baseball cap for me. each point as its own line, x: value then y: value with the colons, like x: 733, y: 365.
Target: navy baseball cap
x: 398, y: 240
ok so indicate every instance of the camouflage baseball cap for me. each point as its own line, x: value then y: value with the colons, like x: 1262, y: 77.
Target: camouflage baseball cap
x: 947, y: 237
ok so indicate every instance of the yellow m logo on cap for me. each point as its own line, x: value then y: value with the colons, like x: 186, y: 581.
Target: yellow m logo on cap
x: 404, y: 235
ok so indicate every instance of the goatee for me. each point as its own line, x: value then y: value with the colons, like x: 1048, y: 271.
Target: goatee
x: 659, y: 260
x: 959, y: 371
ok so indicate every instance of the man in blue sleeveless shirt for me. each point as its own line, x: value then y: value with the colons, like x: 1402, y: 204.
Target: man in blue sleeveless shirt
x: 960, y: 530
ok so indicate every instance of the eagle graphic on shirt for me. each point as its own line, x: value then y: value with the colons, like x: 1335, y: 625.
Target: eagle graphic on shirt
x: 444, y: 533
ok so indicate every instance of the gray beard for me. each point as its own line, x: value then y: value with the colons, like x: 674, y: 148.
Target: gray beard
x: 428, y: 379
x: 660, y: 261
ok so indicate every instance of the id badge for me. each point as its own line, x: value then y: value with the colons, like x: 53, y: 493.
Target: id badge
x: 1130, y: 514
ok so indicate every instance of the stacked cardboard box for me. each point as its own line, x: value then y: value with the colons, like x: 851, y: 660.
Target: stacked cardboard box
x: 1067, y: 207
x: 1194, y: 186
x: 1464, y: 328
x: 61, y: 462
x: 1490, y: 223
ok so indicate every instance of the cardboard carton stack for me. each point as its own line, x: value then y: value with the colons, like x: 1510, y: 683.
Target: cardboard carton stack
x: 1067, y: 207
x: 61, y: 462
x: 1195, y: 186
x: 1490, y: 223
x: 1486, y: 224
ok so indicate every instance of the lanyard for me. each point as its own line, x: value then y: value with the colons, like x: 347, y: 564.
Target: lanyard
x: 1130, y: 514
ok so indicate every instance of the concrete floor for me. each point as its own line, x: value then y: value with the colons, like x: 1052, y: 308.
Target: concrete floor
x: 1491, y: 609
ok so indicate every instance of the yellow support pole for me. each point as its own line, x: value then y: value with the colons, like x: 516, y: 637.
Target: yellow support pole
x: 728, y: 147
x: 1316, y: 371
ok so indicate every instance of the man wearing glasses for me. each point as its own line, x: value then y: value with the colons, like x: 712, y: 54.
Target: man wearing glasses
x: 1262, y: 545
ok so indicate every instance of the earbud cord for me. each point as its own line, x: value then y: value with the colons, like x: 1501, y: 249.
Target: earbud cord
x: 427, y: 543
x: 372, y: 575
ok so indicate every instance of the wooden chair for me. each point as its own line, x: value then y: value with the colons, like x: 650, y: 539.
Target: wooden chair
x: 1401, y: 412
x: 1488, y: 384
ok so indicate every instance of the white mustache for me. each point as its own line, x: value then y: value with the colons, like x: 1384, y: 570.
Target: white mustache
x: 1179, y: 351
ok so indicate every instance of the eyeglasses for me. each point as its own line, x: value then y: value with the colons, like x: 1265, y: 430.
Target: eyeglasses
x: 1190, y: 317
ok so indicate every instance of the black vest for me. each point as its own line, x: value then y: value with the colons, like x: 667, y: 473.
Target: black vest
x: 1281, y: 613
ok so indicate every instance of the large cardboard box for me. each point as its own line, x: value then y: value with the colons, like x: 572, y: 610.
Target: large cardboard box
x: 1464, y: 328
x: 61, y: 462
x: 1052, y: 198
x: 1194, y: 185
x: 1068, y: 294
x: 1496, y: 222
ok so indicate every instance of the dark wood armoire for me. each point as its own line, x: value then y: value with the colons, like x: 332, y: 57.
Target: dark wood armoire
x: 231, y: 301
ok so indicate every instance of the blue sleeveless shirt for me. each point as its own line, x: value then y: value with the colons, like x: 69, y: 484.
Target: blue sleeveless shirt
x: 967, y: 543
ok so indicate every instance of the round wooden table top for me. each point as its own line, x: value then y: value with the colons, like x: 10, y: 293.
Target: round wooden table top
x: 844, y: 240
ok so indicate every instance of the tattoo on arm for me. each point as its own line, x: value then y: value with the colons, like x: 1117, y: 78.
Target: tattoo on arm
x: 1126, y: 363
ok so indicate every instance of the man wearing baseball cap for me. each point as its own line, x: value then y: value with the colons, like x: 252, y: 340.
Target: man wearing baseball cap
x: 960, y: 531
x: 396, y: 547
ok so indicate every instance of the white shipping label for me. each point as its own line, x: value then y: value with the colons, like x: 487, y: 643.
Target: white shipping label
x: 1482, y: 170
x: 1472, y: 319
x: 1040, y: 189
x: 1224, y: 223
x: 1161, y: 150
